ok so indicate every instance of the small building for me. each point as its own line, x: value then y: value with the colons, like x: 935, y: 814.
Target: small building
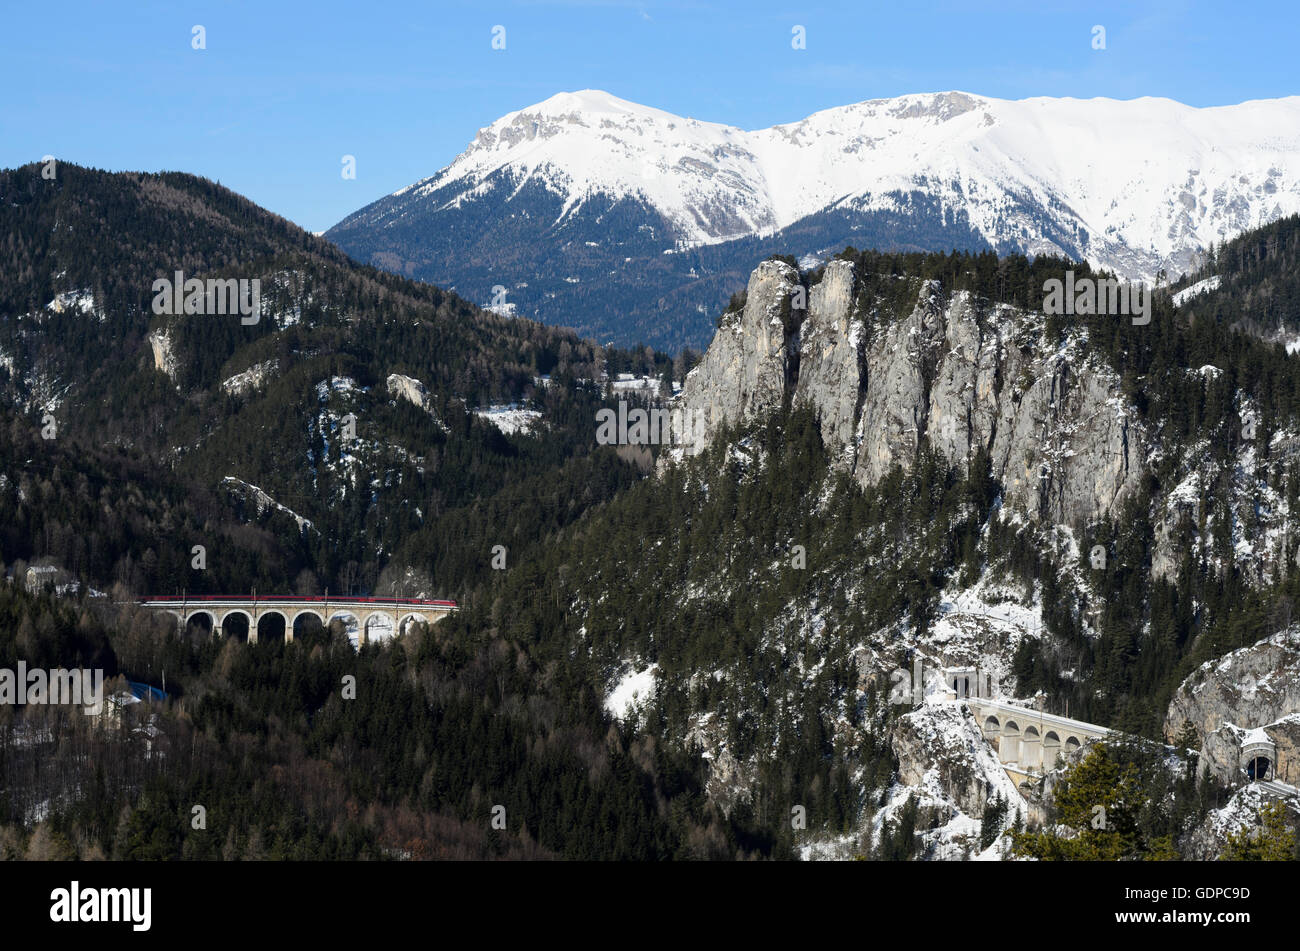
x: 115, y: 706
x: 964, y: 682
x: 38, y: 576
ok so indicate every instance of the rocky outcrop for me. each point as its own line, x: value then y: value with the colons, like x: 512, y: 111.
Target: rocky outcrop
x: 753, y: 356
x: 415, y: 392
x: 1240, y: 815
x: 261, y: 501
x: 409, y: 389
x: 1251, y: 693
x: 1256, y: 508
x: 1285, y: 734
x: 1180, y: 509
x: 951, y: 371
x: 940, y: 745
x: 729, y: 781
x: 251, y: 379
x: 75, y: 302
x: 164, y: 355
x: 832, y: 363
x: 895, y: 405
x: 1066, y: 448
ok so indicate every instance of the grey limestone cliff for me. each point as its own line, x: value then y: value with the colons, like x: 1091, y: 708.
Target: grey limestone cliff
x: 744, y: 373
x: 1249, y: 695
x: 949, y: 370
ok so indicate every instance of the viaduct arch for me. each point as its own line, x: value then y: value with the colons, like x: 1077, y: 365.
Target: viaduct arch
x: 393, y: 615
x: 1030, y: 741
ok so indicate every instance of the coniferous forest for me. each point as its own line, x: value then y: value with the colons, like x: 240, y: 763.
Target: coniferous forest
x: 614, y: 558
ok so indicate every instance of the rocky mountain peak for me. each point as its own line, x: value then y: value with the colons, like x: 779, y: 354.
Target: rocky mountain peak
x: 595, y: 187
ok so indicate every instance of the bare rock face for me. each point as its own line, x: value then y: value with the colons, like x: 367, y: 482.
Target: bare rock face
x: 1250, y: 687
x: 940, y: 746
x: 1206, y: 842
x: 1285, y: 734
x: 964, y: 406
x: 1252, y: 690
x: 1066, y: 449
x: 409, y: 389
x: 1221, y: 752
x: 1060, y: 436
x: 415, y: 392
x: 894, y: 408
x: 832, y: 364
x: 745, y: 371
x: 164, y: 356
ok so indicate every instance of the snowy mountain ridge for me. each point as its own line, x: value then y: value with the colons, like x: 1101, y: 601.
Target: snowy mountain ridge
x: 1131, y: 185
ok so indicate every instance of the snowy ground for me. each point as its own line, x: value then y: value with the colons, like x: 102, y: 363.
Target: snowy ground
x: 251, y: 378
x: 510, y: 418
x: 352, y: 630
x: 628, y: 385
x: 956, y: 839
x: 1239, y: 812
x: 76, y: 302
x: 973, y: 620
x: 380, y: 629
x: 630, y: 690
x: 1195, y: 290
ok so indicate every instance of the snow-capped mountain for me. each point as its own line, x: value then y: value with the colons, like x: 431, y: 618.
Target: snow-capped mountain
x: 558, y: 195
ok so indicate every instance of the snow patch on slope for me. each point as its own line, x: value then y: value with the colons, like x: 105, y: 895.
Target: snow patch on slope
x: 511, y: 418
x: 1195, y: 290
x: 250, y: 379
x: 630, y: 690
x: 263, y: 501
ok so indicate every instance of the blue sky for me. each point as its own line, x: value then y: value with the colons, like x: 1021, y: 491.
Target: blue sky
x: 283, y: 91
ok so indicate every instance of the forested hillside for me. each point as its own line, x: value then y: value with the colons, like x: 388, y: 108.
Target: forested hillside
x: 1252, y: 281
x: 767, y: 596
x: 137, y: 399
x: 116, y: 458
x: 675, y: 650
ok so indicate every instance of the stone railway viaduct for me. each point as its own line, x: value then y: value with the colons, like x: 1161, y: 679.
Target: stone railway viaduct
x: 362, y: 612
x: 1028, y: 741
